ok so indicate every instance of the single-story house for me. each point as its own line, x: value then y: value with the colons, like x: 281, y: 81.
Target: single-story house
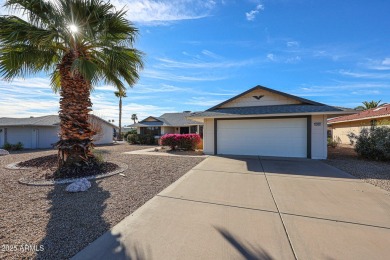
x: 42, y: 132
x: 341, y: 126
x: 267, y: 122
x: 169, y: 123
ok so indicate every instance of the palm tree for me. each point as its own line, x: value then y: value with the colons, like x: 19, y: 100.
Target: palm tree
x: 134, y: 117
x: 120, y: 95
x: 81, y: 43
x: 368, y: 105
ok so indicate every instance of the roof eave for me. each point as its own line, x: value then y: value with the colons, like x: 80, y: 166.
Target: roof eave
x: 273, y: 115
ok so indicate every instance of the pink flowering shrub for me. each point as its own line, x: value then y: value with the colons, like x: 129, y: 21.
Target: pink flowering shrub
x: 182, y: 141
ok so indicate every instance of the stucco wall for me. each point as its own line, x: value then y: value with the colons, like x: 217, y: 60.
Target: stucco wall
x: 47, y: 136
x: 17, y: 134
x: 319, y: 148
x: 208, y: 136
x: 340, y: 131
x: 268, y: 99
x: 167, y: 130
x: 108, y: 133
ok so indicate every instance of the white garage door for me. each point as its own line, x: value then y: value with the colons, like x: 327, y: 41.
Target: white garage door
x: 267, y: 137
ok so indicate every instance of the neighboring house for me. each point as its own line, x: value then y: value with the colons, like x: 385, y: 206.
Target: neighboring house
x: 266, y: 122
x: 341, y: 126
x: 169, y: 123
x: 42, y: 132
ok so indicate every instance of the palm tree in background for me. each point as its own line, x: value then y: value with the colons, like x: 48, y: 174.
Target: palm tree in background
x: 80, y: 43
x: 134, y: 117
x: 120, y: 95
x: 368, y: 105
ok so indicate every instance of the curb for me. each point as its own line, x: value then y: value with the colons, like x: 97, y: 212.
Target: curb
x: 122, y: 168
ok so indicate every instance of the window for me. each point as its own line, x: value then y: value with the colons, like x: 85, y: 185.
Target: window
x: 151, y: 130
x: 201, y: 131
x: 193, y: 129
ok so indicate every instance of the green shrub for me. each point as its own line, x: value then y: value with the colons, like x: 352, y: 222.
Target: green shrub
x: 98, y: 156
x: 132, y: 138
x: 13, y: 147
x: 332, y: 143
x: 373, y: 143
x: 141, y: 139
x: 7, y: 146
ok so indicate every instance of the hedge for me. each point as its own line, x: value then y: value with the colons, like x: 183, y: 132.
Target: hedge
x: 181, y: 141
x: 141, y: 139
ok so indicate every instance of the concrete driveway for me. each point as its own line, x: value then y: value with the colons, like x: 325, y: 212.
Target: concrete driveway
x: 255, y: 208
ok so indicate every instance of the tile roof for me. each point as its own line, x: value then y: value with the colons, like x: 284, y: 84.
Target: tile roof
x: 264, y: 110
x: 381, y: 111
x: 168, y: 119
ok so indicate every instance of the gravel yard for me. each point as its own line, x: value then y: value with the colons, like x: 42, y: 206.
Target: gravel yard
x: 64, y: 223
x: 374, y: 172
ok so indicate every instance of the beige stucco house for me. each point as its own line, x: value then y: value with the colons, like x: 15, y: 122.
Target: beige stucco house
x: 341, y: 126
x: 267, y: 122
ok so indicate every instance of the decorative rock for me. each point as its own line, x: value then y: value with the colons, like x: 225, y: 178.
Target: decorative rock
x: 3, y: 152
x: 79, y: 185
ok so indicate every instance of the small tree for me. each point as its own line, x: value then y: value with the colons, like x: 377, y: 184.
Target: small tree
x: 368, y: 105
x: 134, y: 117
x: 120, y: 94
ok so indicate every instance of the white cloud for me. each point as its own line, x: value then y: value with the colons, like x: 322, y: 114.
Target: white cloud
x: 292, y: 44
x: 211, y: 54
x: 169, y: 63
x: 271, y: 57
x: 295, y: 59
x: 386, y: 61
x: 158, y: 74
x: 366, y: 75
x: 250, y: 16
x: 164, y: 11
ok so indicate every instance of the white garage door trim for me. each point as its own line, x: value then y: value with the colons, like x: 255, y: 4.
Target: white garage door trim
x: 266, y: 136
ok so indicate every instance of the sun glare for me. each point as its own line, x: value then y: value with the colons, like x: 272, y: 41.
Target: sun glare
x: 73, y: 28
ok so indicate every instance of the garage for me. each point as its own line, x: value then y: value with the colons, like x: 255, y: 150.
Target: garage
x: 285, y: 137
x: 267, y: 122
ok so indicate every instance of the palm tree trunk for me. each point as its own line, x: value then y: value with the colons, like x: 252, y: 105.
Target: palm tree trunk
x: 120, y: 118
x: 75, y: 134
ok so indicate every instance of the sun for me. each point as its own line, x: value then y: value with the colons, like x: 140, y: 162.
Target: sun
x: 73, y: 28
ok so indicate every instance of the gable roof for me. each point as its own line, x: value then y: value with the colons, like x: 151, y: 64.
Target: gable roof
x: 303, y: 100
x: 50, y: 120
x: 372, y: 113
x: 168, y: 119
x: 306, y: 107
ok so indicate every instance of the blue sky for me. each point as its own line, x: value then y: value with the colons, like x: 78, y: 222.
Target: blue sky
x: 200, y: 53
